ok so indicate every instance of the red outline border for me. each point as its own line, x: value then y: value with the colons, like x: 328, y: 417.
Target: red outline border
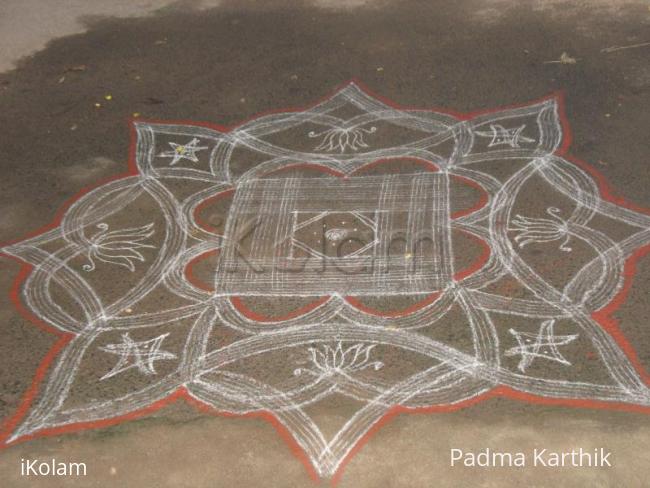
x: 603, y: 316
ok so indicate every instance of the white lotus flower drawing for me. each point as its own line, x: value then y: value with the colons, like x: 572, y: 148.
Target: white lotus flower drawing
x: 329, y: 360
x: 121, y: 247
x: 342, y: 138
x: 541, y: 229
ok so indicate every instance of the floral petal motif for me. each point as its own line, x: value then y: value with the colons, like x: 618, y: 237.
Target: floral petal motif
x: 331, y: 360
x: 340, y: 138
x: 120, y: 247
x: 542, y: 229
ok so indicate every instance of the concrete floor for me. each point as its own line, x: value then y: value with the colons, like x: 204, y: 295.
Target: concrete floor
x: 224, y: 63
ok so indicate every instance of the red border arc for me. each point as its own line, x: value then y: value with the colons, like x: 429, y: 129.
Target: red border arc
x: 603, y: 316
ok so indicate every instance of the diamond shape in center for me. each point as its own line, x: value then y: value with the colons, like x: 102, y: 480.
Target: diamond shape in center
x: 333, y: 234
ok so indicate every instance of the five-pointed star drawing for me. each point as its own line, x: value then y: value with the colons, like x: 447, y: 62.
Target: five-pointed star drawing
x: 545, y: 345
x: 183, y: 151
x: 506, y: 137
x: 134, y: 354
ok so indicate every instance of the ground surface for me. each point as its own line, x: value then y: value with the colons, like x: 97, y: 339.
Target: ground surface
x: 228, y: 63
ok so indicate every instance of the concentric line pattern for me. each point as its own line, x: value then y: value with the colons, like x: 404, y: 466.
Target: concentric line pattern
x: 141, y: 234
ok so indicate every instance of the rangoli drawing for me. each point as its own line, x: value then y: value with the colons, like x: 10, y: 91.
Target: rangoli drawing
x: 289, y: 260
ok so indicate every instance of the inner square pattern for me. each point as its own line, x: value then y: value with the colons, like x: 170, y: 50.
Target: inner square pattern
x: 367, y: 235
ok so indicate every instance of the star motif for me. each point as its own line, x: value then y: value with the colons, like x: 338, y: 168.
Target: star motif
x: 183, y: 151
x: 545, y: 345
x: 134, y: 354
x: 504, y: 137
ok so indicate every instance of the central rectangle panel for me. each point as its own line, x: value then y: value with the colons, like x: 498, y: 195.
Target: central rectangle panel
x: 371, y: 235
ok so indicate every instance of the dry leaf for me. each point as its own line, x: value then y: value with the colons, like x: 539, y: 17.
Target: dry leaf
x: 564, y: 59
